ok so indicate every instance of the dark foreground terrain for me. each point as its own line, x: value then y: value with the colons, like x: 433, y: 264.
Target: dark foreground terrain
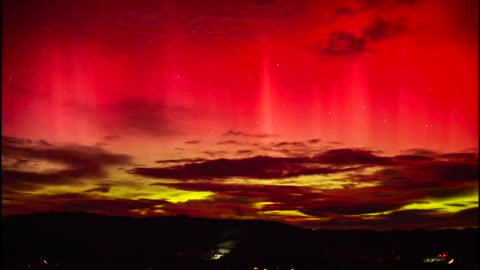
x: 87, y: 241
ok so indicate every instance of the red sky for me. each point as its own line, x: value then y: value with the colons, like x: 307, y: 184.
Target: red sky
x: 335, y: 114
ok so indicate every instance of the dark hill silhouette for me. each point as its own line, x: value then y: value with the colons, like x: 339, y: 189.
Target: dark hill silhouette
x: 90, y: 241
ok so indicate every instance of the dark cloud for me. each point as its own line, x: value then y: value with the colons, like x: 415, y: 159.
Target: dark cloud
x: 344, y: 43
x: 406, y: 171
x: 291, y: 148
x: 404, y: 179
x: 140, y: 114
x: 342, y: 208
x: 470, y: 215
x: 83, y: 202
x: 7, y: 140
x: 102, y: 188
x: 24, y: 180
x: 442, y: 175
x: 80, y: 161
x: 398, y: 181
x: 244, y: 152
x: 210, y: 209
x: 382, y: 29
x: 184, y: 160
x: 344, y: 11
x: 233, y: 142
x: 44, y: 143
x: 438, y: 178
x: 453, y: 190
x: 369, y: 3
x: 100, y: 144
x: 289, y: 144
x: 348, y: 156
x: 420, y: 152
x: 459, y: 156
x: 449, y: 171
x: 243, y: 189
x: 256, y: 167
x: 244, y: 134
x: 218, y: 153
x: 386, y: 4
x: 350, y: 207
x: 407, y: 2
x: 347, y: 43
x: 111, y: 138
x: 73, y: 155
x: 251, y: 193
x: 456, y: 204
x: 405, y: 219
x: 133, y: 114
x: 423, y: 218
x: 412, y: 158
x: 192, y: 142
x: 122, y: 207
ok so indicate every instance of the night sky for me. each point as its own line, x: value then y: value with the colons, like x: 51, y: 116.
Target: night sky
x: 325, y: 114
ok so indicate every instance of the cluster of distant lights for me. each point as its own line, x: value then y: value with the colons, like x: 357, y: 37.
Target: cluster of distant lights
x: 441, y: 258
x: 256, y: 268
x: 220, y: 253
x: 44, y: 262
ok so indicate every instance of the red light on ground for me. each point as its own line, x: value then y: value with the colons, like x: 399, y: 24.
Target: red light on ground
x: 442, y: 255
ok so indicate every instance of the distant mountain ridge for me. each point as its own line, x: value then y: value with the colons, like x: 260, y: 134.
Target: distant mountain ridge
x: 92, y: 241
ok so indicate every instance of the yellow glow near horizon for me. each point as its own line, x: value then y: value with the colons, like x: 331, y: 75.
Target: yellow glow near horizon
x: 159, y: 193
x: 142, y: 212
x: 127, y: 192
x: 260, y: 205
x: 316, y: 182
x: 287, y: 213
x: 59, y: 189
x: 441, y: 205
x: 446, y: 204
